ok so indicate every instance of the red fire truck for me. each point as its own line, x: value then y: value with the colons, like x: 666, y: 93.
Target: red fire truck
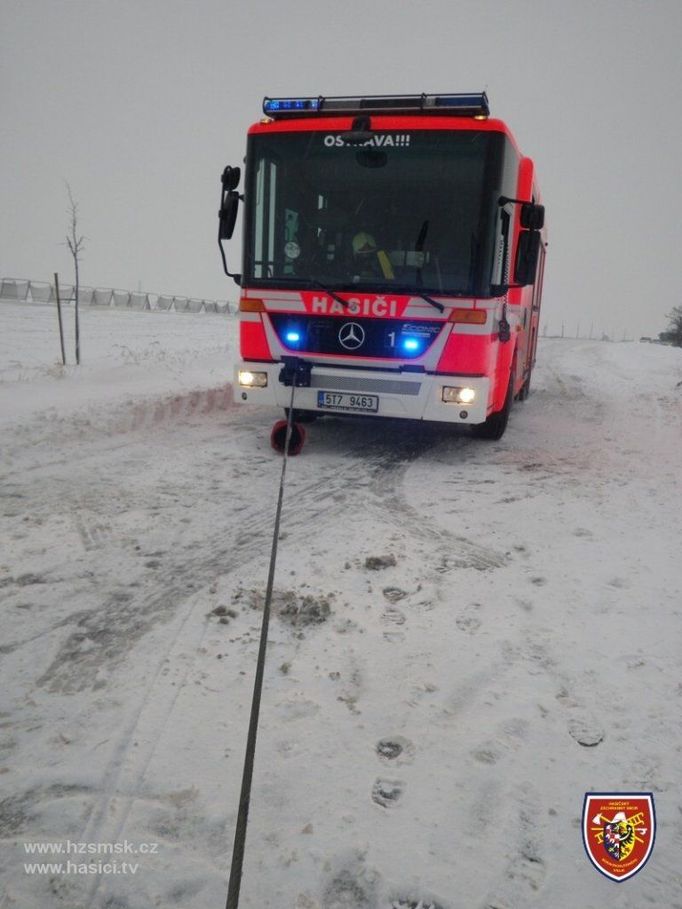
x: 393, y: 256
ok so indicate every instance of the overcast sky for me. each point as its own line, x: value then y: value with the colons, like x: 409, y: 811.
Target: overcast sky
x: 139, y: 105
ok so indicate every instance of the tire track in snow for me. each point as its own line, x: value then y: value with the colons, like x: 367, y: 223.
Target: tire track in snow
x: 456, y: 551
x: 385, y: 462
x: 371, y: 461
x: 126, y: 770
x: 120, y: 621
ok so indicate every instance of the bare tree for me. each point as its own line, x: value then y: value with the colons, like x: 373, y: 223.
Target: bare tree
x: 674, y: 333
x: 76, y: 246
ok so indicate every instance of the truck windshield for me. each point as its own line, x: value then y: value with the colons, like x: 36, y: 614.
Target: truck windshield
x: 414, y: 211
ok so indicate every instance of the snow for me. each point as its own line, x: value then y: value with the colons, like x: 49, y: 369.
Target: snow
x: 117, y: 364
x: 466, y: 638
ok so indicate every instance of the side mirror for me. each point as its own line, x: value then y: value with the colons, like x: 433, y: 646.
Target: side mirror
x: 532, y: 216
x: 527, y: 254
x: 228, y: 214
x: 230, y: 178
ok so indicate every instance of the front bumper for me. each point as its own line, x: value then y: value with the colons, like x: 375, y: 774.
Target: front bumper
x: 405, y: 395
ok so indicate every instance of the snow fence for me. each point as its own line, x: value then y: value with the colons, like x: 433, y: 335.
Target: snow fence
x: 23, y: 290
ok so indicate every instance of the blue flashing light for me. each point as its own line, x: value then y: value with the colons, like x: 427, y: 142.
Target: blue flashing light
x: 469, y: 103
x: 292, y: 337
x: 290, y: 105
x: 411, y: 345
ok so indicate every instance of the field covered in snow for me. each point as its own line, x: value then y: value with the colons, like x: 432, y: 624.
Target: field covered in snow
x: 468, y: 636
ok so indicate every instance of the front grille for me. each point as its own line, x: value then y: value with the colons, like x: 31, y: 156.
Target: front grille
x: 365, y: 384
x: 398, y: 339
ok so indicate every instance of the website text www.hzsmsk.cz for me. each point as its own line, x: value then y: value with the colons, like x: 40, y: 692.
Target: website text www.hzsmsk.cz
x: 71, y: 848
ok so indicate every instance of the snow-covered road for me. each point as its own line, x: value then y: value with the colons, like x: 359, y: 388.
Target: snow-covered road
x: 468, y: 636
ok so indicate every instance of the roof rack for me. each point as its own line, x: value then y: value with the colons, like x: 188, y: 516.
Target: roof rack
x: 473, y: 105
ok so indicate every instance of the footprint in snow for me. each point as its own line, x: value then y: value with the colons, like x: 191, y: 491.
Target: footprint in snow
x: 378, y: 563
x: 386, y: 793
x: 468, y: 623
x: 353, y: 887
x: 393, y: 616
x: 585, y: 730
x: 583, y: 726
x: 395, y: 749
x: 394, y: 594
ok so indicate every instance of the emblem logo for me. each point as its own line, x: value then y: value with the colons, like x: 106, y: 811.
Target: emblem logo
x: 351, y: 335
x: 619, y: 829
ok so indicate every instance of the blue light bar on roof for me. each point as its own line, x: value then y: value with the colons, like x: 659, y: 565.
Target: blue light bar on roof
x: 471, y: 105
x: 461, y: 102
x: 274, y: 106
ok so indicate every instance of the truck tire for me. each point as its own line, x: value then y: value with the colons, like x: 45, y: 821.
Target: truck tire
x: 524, y: 390
x: 496, y: 423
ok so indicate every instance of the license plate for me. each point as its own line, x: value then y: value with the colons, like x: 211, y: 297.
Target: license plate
x: 334, y: 400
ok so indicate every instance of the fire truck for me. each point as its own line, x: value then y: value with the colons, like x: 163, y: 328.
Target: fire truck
x: 393, y: 257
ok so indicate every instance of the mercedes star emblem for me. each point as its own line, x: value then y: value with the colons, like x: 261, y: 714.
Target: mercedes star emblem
x: 351, y: 335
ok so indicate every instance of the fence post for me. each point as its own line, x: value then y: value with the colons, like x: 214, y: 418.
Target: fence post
x: 59, y: 316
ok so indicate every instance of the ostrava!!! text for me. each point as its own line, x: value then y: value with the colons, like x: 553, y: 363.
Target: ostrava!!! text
x: 380, y: 140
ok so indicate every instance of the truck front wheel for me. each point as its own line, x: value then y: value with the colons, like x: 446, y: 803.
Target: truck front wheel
x: 496, y: 423
x: 524, y: 390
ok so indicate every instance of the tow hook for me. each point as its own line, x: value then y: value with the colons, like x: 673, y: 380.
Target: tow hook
x: 295, y: 372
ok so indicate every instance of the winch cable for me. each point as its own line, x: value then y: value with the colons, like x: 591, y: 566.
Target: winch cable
x: 247, y: 775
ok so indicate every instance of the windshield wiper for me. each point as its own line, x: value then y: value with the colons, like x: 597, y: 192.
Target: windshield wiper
x: 331, y: 293
x: 439, y: 306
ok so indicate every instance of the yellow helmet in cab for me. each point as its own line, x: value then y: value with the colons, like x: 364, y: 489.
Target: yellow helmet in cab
x: 364, y: 243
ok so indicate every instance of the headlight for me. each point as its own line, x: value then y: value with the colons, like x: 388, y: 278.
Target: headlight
x: 249, y: 379
x: 458, y: 395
